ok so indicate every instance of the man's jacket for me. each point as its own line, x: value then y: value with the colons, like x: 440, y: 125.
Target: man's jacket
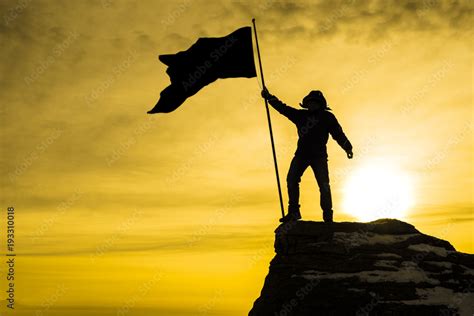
x: 314, y: 128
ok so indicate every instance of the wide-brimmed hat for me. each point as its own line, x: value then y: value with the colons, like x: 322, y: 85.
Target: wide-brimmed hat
x: 316, y: 95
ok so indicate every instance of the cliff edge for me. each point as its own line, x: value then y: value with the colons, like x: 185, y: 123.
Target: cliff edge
x: 385, y: 267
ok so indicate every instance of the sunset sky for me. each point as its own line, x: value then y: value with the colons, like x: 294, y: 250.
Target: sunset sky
x: 123, y: 213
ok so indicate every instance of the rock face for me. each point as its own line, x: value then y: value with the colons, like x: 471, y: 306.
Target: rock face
x: 385, y: 267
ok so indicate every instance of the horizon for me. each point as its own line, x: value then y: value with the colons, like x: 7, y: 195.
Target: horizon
x: 119, y: 211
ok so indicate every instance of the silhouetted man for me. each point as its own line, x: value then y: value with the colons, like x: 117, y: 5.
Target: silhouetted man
x: 314, y: 124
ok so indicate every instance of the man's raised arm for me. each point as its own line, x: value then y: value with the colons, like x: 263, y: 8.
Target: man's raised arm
x: 282, y: 108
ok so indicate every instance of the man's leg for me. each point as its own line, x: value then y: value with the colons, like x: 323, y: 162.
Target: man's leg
x: 297, y: 167
x: 321, y: 172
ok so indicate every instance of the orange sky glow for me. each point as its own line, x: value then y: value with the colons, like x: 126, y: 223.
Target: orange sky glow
x: 123, y: 213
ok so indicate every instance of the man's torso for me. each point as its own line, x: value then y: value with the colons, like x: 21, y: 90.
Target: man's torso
x: 313, y: 132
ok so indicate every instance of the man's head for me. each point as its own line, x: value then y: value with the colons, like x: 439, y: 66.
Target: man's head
x: 314, y: 101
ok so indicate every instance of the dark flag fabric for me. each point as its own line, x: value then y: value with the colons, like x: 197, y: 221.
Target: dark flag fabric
x: 204, y: 62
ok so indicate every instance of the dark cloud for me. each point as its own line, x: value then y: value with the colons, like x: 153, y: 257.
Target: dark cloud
x: 371, y: 19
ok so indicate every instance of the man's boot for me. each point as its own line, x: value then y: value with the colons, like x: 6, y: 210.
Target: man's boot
x: 293, y: 214
x: 327, y: 216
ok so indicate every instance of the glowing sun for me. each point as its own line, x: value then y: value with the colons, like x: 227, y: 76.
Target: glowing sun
x: 376, y: 191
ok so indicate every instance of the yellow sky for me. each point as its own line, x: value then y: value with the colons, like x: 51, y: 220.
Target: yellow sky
x: 123, y: 213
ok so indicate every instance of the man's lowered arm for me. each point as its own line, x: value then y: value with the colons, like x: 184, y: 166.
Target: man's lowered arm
x: 338, y: 135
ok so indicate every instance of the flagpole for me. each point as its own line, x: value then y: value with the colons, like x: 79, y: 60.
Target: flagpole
x: 269, y: 122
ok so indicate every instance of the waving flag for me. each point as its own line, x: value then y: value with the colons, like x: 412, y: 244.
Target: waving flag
x: 204, y: 62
